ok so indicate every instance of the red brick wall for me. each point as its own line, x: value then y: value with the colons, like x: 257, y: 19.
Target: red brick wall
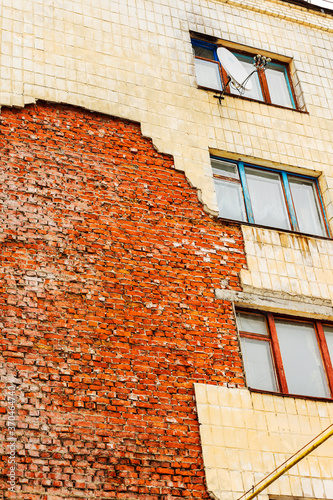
x: 108, y: 315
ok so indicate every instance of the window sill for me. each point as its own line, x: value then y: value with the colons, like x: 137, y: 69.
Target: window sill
x: 227, y: 94
x: 288, y: 231
x: 294, y: 396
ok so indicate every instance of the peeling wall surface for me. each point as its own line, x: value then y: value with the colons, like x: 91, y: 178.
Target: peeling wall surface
x: 134, y: 60
x: 245, y: 436
x: 120, y: 281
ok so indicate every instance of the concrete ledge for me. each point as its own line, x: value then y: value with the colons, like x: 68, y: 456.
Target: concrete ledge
x: 279, y: 302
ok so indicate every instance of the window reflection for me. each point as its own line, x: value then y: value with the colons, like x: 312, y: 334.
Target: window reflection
x: 278, y: 87
x: 287, y: 356
x: 267, y: 199
x: 306, y: 204
x: 258, y: 364
x: 301, y: 359
x: 208, y: 74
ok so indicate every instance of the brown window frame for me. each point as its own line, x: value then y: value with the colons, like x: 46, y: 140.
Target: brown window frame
x: 272, y: 338
x: 263, y: 81
x: 260, y: 72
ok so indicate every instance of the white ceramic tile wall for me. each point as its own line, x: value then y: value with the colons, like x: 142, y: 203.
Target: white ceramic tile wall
x: 245, y: 436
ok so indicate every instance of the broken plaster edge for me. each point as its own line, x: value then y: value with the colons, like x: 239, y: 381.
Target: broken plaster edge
x: 204, y: 195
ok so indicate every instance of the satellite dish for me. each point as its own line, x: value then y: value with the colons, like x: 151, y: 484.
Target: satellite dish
x: 234, y: 69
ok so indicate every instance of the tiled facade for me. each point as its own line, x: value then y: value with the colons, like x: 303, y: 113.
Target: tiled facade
x: 247, y: 436
x: 133, y: 61
x: 288, y: 263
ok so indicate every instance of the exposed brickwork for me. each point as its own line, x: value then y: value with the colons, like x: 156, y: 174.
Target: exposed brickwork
x: 109, y: 265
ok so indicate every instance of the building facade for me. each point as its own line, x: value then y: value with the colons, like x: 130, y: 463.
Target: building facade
x: 166, y: 250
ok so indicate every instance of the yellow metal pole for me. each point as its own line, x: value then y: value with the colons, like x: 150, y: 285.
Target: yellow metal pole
x: 288, y: 464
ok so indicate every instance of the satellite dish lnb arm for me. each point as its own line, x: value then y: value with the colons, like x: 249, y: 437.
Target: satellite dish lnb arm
x: 248, y: 78
x: 237, y: 74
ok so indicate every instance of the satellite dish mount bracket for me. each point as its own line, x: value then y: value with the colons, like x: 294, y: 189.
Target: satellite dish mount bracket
x: 220, y: 96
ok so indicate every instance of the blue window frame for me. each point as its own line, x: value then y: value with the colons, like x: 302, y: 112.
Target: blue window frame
x: 269, y: 197
x: 271, y: 86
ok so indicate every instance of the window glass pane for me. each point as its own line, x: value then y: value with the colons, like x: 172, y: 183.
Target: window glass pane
x: 267, y: 199
x: 301, y: 359
x: 258, y: 364
x: 202, y: 52
x: 329, y: 339
x: 277, y: 86
x: 230, y: 199
x: 208, y: 74
x: 255, y: 93
x: 252, y: 323
x: 225, y: 168
x: 307, y: 207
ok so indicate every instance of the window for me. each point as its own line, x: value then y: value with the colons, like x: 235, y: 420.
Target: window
x: 269, y: 197
x: 286, y: 355
x: 272, y: 85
